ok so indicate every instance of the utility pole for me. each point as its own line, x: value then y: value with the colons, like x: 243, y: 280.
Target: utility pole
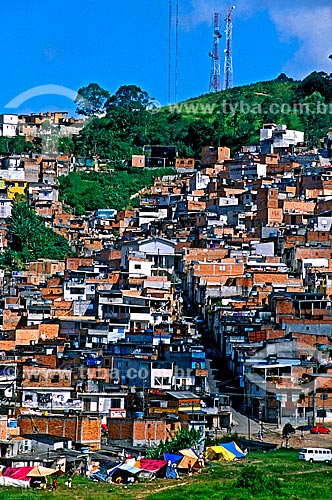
x: 314, y: 404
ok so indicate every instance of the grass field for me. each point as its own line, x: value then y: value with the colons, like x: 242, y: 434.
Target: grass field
x: 297, y: 481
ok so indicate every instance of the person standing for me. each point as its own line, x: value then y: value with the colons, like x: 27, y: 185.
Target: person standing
x: 55, y: 484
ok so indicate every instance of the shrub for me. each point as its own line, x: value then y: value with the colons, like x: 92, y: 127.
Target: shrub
x: 255, y: 482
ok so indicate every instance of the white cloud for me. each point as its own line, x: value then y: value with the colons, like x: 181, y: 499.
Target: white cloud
x: 200, y: 11
x: 310, y: 25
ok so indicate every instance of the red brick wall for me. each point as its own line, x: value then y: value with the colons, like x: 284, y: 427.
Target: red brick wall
x: 138, y: 431
x: 83, y: 430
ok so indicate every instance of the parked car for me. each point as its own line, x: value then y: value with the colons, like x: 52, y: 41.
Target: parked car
x: 319, y: 429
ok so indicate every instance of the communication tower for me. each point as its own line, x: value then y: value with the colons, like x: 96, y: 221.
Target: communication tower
x: 215, y: 85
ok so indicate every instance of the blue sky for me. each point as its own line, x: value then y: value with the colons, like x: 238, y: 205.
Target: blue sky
x: 74, y: 42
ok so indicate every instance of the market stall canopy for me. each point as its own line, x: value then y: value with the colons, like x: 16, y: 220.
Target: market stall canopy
x: 41, y: 471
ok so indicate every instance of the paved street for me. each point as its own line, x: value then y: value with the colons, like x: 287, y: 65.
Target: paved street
x: 242, y: 424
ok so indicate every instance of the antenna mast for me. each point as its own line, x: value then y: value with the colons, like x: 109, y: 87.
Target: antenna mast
x: 228, y: 66
x: 215, y: 57
x: 169, y: 50
x: 176, y: 50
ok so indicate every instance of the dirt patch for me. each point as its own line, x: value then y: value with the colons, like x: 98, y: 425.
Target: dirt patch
x: 296, y: 441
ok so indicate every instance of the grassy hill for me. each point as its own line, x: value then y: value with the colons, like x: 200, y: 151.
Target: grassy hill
x: 285, y: 479
x: 232, y: 118
x: 83, y: 191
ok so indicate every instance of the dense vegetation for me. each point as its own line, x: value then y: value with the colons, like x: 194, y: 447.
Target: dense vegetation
x: 18, y: 145
x: 182, y: 440
x: 30, y: 239
x: 85, y: 191
x: 119, y: 125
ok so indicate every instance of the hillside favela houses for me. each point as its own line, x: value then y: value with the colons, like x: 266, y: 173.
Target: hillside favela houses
x: 210, y: 297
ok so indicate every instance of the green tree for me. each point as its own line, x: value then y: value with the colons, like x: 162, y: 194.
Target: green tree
x: 316, y: 82
x: 66, y: 145
x: 130, y: 97
x: 91, y: 100
x: 29, y: 239
x: 287, y: 430
x: 182, y: 439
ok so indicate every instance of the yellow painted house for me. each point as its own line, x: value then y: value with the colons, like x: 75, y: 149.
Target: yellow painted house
x: 14, y: 187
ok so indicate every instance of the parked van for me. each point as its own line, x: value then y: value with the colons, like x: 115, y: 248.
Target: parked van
x: 315, y: 454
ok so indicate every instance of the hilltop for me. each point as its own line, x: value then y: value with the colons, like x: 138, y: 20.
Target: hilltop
x: 231, y: 118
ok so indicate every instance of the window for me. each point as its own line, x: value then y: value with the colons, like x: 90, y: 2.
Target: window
x: 34, y: 378
x: 28, y: 397
x: 138, y: 266
x: 55, y: 378
x: 86, y: 404
x: 115, y: 403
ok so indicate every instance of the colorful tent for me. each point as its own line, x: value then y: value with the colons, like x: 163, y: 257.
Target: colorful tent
x: 16, y: 476
x: 175, y: 459
x: 129, y: 468
x: 151, y: 465
x: 190, y: 460
x: 124, y: 471
x: 234, y: 448
x: 189, y: 452
x: 219, y: 453
x: 21, y: 473
x: 171, y: 472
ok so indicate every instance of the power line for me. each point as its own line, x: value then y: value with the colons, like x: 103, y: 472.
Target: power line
x: 176, y: 50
